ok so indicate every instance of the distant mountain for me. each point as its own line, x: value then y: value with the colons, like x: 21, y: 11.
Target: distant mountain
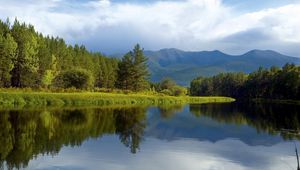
x: 183, y: 66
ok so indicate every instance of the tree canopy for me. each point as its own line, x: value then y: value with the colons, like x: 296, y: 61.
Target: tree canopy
x: 133, y: 71
x: 30, y: 59
x: 273, y: 83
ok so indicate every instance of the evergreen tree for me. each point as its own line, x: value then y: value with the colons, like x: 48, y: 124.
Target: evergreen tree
x: 28, y: 59
x: 7, y: 56
x: 125, y: 73
x: 133, y: 72
x: 26, y: 63
x: 273, y: 83
x: 140, y: 69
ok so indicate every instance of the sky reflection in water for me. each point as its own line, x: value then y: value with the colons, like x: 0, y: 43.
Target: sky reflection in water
x: 223, y: 136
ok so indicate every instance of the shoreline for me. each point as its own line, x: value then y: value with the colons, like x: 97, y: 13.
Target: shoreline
x: 277, y: 101
x: 45, y: 99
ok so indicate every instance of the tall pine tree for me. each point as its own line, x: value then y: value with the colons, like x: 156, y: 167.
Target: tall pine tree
x: 7, y: 56
x: 26, y: 63
x: 133, y: 71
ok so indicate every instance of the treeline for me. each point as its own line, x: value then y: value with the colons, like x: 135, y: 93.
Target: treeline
x: 273, y: 83
x: 30, y: 59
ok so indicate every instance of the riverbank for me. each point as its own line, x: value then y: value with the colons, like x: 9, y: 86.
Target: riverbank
x: 278, y: 101
x: 43, y: 99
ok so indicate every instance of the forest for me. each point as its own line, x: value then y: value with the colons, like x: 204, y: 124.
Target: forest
x: 28, y: 59
x: 274, y: 83
x: 31, y: 60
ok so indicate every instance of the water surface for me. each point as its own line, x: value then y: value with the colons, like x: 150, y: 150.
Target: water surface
x: 209, y: 136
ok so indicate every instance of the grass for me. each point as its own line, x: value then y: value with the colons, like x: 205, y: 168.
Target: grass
x: 22, y: 99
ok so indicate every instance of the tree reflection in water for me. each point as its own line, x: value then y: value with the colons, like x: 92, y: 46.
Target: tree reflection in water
x: 26, y: 134
x: 271, y: 118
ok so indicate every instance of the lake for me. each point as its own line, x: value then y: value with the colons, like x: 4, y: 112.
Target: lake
x: 191, y: 137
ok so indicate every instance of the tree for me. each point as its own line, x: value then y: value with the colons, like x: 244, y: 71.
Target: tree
x: 29, y: 59
x: 78, y: 78
x: 133, y: 72
x: 50, y: 73
x: 273, y: 83
x: 8, y: 48
x: 125, y: 73
x: 167, y: 83
x: 26, y: 63
x: 140, y: 69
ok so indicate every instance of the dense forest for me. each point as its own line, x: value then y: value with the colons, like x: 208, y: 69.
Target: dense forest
x: 273, y: 83
x: 29, y: 59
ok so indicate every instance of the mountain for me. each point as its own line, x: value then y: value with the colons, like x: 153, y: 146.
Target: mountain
x: 183, y: 66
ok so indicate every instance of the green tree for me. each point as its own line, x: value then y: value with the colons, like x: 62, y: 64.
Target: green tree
x: 125, y: 73
x: 273, y: 83
x: 140, y: 69
x: 7, y: 56
x: 167, y: 83
x: 133, y: 71
x: 50, y: 73
x: 78, y: 78
x: 26, y: 63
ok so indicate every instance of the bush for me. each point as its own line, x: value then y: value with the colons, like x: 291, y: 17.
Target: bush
x: 167, y: 92
x: 179, y: 91
x: 76, y: 78
x: 167, y: 83
x: 169, y: 87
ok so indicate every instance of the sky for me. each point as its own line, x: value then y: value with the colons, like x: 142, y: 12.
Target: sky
x: 115, y: 26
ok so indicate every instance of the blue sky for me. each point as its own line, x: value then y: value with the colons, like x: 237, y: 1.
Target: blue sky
x: 114, y: 26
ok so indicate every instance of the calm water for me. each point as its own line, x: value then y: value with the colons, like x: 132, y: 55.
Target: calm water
x: 191, y: 137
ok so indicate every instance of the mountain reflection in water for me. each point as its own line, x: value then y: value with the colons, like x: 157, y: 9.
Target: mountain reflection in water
x: 29, y: 134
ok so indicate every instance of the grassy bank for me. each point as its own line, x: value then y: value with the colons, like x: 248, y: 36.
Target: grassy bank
x: 42, y: 99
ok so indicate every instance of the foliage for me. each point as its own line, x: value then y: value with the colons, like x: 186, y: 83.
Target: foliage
x: 169, y: 87
x: 167, y: 83
x: 273, y: 83
x: 8, y: 52
x: 78, y: 78
x: 26, y: 62
x: 133, y: 72
x: 29, y: 59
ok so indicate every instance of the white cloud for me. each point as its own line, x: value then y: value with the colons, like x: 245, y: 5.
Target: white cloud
x: 190, y: 24
x: 175, y: 155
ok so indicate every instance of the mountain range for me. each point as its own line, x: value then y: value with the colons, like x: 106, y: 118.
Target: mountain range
x: 183, y: 66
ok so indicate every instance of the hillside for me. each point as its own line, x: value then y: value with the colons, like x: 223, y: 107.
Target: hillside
x: 183, y: 66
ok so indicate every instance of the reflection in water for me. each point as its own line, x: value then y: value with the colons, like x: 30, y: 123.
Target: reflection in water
x: 271, y: 118
x: 27, y: 134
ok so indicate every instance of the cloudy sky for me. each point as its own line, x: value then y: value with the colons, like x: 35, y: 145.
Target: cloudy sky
x: 114, y: 26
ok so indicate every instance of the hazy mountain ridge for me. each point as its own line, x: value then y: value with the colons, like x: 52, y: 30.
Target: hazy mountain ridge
x: 183, y: 66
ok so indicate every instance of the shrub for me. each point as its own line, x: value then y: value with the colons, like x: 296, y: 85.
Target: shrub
x: 167, y: 83
x: 166, y: 92
x: 179, y: 91
x: 76, y: 78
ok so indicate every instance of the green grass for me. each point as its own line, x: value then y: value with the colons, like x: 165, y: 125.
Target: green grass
x: 44, y: 99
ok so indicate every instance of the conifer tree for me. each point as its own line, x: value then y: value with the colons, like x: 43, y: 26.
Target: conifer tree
x: 26, y: 63
x: 7, y: 56
x: 133, y: 72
